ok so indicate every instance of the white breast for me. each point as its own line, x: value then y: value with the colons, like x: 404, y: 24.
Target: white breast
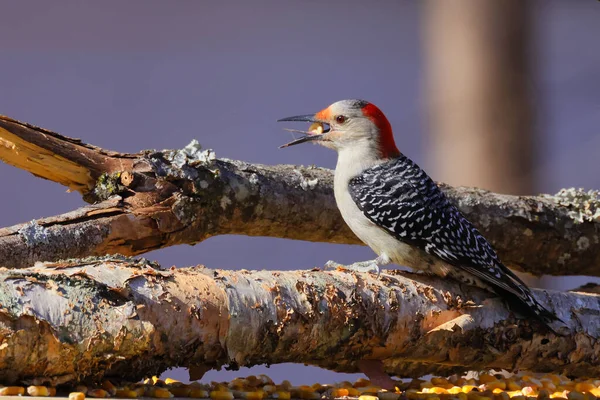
x: 381, y: 242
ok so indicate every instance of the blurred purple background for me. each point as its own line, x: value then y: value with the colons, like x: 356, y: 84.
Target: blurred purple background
x: 155, y: 74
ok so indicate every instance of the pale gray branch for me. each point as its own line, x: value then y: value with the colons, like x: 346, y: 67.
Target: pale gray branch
x: 95, y: 318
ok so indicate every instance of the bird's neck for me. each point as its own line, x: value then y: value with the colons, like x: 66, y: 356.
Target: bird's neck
x: 354, y: 160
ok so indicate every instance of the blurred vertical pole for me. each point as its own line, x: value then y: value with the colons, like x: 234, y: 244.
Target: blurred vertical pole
x: 479, y: 114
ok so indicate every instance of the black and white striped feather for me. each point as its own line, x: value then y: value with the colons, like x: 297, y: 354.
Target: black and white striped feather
x: 401, y: 198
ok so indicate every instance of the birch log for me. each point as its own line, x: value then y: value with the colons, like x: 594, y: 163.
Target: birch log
x: 94, y: 318
x: 162, y: 198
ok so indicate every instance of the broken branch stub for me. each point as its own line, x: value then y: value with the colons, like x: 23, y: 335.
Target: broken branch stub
x: 165, y: 198
x: 94, y: 318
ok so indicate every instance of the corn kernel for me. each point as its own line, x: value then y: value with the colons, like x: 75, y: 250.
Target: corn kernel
x: 412, y: 394
x: 575, y: 396
x: 38, y: 391
x: 178, y: 391
x: 257, y: 395
x: 221, y: 395
x: 238, y: 383
x: 543, y: 394
x: 584, y: 387
x: 12, y: 391
x: 368, y: 397
x: 315, y: 386
x: 528, y: 391
x: 268, y: 389
x: 558, y: 395
x: 468, y: 388
x: 440, y: 381
x: 170, y: 381
x: 76, y: 396
x: 460, y: 381
x: 512, y: 385
x: 311, y: 395
x: 361, y: 382
x: 532, y: 382
x: 438, y: 390
x: 284, y: 386
x: 339, y: 392
x: 126, y: 393
x: 98, y: 393
x: 325, y: 388
x: 109, y: 387
x: 198, y: 393
x: 595, y: 392
x: 81, y: 388
x: 302, y: 392
x: 497, y: 391
x: 281, y: 395
x: 369, y: 389
x: 140, y: 390
x: 265, y: 380
x: 253, y: 380
x: 485, y: 378
x: 501, y: 395
x: 160, y: 393
x: 554, y: 378
x: 455, y: 390
x: 495, y: 385
x: 426, y: 384
x: 548, y: 384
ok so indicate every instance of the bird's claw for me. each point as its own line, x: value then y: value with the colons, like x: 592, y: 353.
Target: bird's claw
x: 363, y: 267
x: 332, y: 265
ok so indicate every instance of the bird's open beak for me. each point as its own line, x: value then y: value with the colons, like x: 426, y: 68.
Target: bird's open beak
x: 308, y: 136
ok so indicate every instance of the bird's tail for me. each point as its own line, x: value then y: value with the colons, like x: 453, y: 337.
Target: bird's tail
x: 528, y: 306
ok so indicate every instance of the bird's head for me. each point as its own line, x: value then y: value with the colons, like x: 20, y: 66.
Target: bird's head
x: 349, y: 124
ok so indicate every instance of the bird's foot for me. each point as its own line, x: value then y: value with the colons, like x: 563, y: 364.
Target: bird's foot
x: 362, y: 266
x: 373, y: 369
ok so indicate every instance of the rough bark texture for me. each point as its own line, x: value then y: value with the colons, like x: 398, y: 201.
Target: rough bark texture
x: 165, y: 198
x: 91, y: 318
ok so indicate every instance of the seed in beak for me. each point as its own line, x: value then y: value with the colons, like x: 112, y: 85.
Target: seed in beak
x: 316, y: 128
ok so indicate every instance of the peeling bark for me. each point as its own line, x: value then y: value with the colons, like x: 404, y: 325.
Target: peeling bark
x: 94, y: 318
x: 160, y: 199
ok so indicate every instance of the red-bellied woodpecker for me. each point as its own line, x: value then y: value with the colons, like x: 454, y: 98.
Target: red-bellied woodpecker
x: 393, y: 206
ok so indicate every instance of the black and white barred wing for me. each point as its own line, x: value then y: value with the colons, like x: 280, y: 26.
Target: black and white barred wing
x: 400, y: 197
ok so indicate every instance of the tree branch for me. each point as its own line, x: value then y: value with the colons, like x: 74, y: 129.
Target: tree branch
x: 165, y: 198
x: 127, y: 318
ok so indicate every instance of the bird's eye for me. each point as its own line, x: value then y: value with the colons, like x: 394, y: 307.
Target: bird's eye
x: 340, y: 119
